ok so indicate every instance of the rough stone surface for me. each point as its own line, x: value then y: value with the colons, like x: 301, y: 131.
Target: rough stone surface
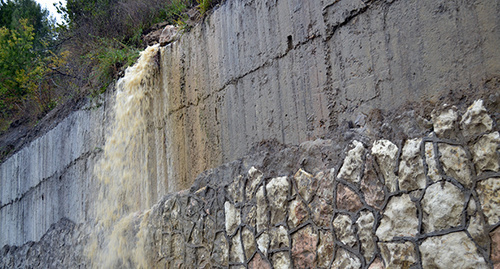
x: 347, y: 199
x: 435, y: 252
x: 326, y: 248
x: 262, y: 210
x: 277, y: 193
x: 430, y: 160
x: 385, y: 153
x: 344, y: 230
x: 455, y: 165
x: 352, y: 167
x: 372, y: 187
x: 444, y: 123
x: 442, y: 204
x: 411, y: 169
x: 258, y: 263
x: 398, y: 255
x: 495, y: 247
x: 399, y: 219
x: 298, y: 213
x: 281, y: 260
x: 377, y: 264
x: 490, y: 200
x: 55, y: 167
x: 279, y: 238
x: 168, y: 34
x: 236, y: 253
x: 306, y: 184
x: 304, y: 243
x: 344, y: 259
x: 364, y: 225
x: 263, y: 243
x: 248, y: 240
x: 479, y: 231
x: 485, y: 153
x: 233, y: 218
x: 476, y: 120
x: 268, y: 76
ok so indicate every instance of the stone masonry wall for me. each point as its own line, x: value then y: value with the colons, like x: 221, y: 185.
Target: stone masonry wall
x: 293, y: 71
x: 267, y: 73
x: 259, y: 70
x: 417, y: 202
x: 428, y: 202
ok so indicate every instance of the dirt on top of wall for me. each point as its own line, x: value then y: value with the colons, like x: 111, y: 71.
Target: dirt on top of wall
x: 413, y: 119
x: 22, y: 132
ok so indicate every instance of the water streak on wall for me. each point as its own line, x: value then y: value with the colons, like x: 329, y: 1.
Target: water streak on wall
x: 123, y: 171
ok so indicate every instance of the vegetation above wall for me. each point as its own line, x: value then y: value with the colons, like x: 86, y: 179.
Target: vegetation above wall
x: 44, y: 63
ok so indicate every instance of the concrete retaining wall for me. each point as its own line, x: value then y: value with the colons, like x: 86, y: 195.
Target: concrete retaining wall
x: 259, y: 72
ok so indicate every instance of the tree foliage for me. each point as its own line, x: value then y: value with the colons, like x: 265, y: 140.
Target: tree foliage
x: 26, y: 60
x: 42, y: 63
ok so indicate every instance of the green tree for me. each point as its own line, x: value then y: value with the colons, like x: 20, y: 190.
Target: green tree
x: 11, y: 12
x: 26, y: 61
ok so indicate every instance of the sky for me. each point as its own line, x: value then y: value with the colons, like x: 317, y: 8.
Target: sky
x: 49, y: 5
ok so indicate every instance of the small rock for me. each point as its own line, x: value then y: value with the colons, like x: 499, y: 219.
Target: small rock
x: 306, y: 184
x: 263, y: 243
x: 365, y: 224
x: 346, y: 260
x: 435, y: 252
x: 399, y: 219
x: 254, y: 178
x: 220, y: 253
x: 432, y: 171
x: 279, y: 238
x: 488, y: 191
x: 258, y: 262
x: 249, y: 215
x: 351, y: 169
x: 277, y: 193
x: 478, y: 230
x: 304, y: 244
x: 495, y: 247
x: 322, y: 212
x: 398, y: 255
x: 444, y: 123
x: 454, y: 160
x: 281, y: 260
x: 377, y: 264
x: 236, y: 253
x: 411, y: 167
x: 233, y: 219
x: 236, y: 190
x: 371, y: 187
x: 325, y: 184
x: 385, y: 153
x: 326, y: 248
x: 347, y: 199
x: 485, y: 154
x: 298, y: 213
x: 342, y: 225
x: 248, y: 242
x: 442, y: 204
x: 262, y: 210
x: 476, y: 120
x: 168, y: 35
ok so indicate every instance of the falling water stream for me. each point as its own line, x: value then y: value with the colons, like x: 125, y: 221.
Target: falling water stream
x: 121, y: 207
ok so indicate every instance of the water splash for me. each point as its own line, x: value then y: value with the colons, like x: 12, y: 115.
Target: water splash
x: 116, y: 241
